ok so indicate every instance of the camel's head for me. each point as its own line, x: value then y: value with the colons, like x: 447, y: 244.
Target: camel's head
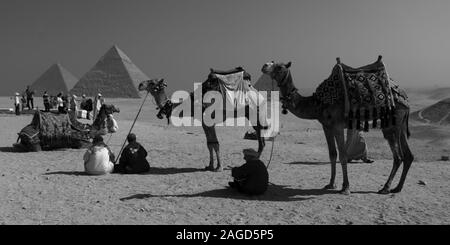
x: 276, y: 71
x: 156, y: 87
x: 109, y: 109
x: 153, y: 86
x: 105, y: 112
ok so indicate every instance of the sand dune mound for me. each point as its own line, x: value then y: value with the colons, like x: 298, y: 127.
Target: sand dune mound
x: 438, y: 113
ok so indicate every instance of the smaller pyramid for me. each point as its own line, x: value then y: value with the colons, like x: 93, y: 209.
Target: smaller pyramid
x: 265, y: 83
x: 114, y: 76
x: 56, y: 79
x: 438, y: 113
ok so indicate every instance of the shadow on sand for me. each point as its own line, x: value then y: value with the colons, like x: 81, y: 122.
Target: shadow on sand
x: 308, y: 163
x: 169, y: 171
x: 274, y: 193
x: 10, y: 150
x: 74, y: 173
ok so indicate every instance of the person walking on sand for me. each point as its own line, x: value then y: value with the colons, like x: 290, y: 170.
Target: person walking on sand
x: 98, y: 158
x: 99, y: 101
x: 46, y: 99
x: 133, y: 159
x: 60, y: 103
x: 30, y: 100
x: 23, y: 102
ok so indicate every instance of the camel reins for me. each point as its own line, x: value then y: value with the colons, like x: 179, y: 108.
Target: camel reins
x: 273, y: 141
x: 137, y: 115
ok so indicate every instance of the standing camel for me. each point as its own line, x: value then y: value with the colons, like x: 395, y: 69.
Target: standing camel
x: 334, y: 120
x: 156, y: 87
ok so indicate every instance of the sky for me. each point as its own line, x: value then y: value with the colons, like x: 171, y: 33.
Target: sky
x: 180, y: 40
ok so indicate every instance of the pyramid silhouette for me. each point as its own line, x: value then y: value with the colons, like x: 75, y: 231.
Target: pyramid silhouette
x: 114, y: 76
x: 56, y: 79
x: 265, y: 83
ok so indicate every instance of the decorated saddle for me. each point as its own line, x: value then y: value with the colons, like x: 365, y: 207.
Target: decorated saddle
x: 367, y: 93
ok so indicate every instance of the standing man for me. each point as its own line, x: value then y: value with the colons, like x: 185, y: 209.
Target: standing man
x: 46, y: 99
x: 99, y: 101
x: 17, y: 103
x: 60, y: 103
x: 30, y: 100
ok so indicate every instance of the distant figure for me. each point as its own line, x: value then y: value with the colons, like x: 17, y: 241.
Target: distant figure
x: 73, y: 104
x: 60, y: 103
x: 46, y: 99
x: 98, y: 102
x: 133, y: 159
x: 23, y: 102
x: 17, y: 103
x: 251, y: 178
x: 356, y: 147
x: 98, y: 158
x: 30, y: 100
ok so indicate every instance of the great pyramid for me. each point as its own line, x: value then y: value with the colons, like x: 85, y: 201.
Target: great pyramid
x: 265, y: 83
x: 56, y: 79
x: 114, y: 76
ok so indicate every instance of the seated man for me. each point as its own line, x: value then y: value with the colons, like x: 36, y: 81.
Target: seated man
x: 133, y: 159
x: 356, y: 146
x: 251, y: 178
x: 98, y: 158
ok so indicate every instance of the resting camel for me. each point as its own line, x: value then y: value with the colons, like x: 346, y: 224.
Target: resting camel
x: 156, y: 87
x: 334, y: 122
x: 47, y: 130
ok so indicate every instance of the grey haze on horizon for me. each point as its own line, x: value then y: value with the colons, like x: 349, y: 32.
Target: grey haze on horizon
x: 180, y: 40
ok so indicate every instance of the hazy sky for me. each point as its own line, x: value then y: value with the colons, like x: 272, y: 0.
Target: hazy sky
x: 180, y: 40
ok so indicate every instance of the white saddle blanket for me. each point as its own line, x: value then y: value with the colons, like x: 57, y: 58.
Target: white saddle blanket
x: 239, y: 93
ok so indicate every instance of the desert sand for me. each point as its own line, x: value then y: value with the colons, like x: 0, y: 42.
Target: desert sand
x: 50, y: 187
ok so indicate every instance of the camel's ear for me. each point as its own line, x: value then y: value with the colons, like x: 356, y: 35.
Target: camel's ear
x: 288, y: 65
x: 161, y: 80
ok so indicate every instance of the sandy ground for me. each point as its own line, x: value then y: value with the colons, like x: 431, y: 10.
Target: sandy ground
x: 50, y: 187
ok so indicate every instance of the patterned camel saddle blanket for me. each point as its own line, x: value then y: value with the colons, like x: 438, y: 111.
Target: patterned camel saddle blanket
x: 367, y: 93
x: 238, y: 91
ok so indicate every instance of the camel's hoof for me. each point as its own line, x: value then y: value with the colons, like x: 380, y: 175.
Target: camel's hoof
x: 396, y: 190
x: 209, y: 168
x: 384, y: 191
x: 218, y: 169
x: 345, y: 191
x: 330, y: 187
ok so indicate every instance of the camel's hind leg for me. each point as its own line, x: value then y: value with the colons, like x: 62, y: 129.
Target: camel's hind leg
x: 333, y: 156
x: 393, y: 138
x: 408, y: 158
x: 213, y: 144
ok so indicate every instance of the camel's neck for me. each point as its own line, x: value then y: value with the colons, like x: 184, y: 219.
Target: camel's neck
x: 300, y: 106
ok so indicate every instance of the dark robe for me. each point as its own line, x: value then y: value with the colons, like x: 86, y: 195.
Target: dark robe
x: 133, y: 160
x: 251, y: 178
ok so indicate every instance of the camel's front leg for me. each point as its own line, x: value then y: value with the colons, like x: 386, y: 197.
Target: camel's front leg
x: 213, y: 144
x: 340, y: 140
x: 333, y: 156
x: 211, y: 157
x: 261, y: 141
